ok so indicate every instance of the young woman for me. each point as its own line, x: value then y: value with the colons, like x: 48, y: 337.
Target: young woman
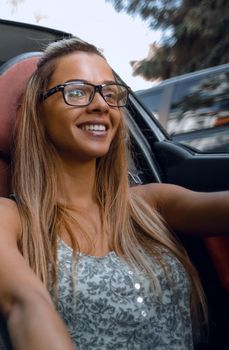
x: 76, y: 231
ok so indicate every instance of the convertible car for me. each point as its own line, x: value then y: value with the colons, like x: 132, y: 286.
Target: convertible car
x: 157, y: 159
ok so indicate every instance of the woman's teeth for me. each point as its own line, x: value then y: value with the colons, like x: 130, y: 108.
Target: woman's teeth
x: 92, y: 127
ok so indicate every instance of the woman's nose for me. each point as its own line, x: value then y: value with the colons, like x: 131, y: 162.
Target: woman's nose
x: 98, y: 103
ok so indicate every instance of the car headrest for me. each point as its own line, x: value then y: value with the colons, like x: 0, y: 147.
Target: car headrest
x: 14, y: 75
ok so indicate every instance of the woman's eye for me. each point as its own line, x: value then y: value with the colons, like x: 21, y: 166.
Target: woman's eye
x: 110, y: 95
x: 76, y: 93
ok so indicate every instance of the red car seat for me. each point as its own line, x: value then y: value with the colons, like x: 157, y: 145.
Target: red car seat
x: 218, y: 248
x: 13, y: 77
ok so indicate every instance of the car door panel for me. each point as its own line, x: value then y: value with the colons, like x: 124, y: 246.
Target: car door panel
x: 197, y: 171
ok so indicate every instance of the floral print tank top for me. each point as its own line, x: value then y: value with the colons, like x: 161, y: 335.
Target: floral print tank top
x: 112, y: 306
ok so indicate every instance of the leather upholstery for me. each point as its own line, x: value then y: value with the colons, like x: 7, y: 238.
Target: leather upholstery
x: 13, y: 77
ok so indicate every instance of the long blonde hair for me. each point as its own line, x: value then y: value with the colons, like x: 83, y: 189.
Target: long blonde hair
x: 137, y: 230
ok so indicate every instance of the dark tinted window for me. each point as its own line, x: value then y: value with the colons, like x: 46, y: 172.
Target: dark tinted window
x: 152, y: 100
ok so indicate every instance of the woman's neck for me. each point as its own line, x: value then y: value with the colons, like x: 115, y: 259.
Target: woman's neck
x: 77, y: 184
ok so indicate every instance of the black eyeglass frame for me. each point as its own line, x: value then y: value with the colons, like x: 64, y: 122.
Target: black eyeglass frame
x: 97, y: 88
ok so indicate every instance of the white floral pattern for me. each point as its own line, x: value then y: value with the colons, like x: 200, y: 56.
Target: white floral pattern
x: 113, y: 307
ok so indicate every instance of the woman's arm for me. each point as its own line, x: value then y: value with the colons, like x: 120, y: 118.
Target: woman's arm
x: 31, y: 318
x: 33, y: 324
x: 187, y: 211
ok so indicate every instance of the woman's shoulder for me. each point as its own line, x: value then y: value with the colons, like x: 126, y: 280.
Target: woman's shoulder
x: 159, y: 195
x: 9, y: 216
x: 8, y: 204
x: 150, y: 192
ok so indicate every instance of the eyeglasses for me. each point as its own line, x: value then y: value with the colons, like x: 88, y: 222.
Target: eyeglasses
x: 80, y: 94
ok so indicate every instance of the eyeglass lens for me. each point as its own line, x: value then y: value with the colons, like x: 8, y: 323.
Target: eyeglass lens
x: 78, y: 94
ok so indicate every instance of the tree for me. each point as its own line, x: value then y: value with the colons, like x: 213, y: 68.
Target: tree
x: 196, y: 35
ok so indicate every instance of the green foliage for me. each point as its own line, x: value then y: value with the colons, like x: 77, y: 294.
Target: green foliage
x: 197, y: 34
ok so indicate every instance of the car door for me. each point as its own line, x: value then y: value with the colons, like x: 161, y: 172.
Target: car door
x: 159, y: 159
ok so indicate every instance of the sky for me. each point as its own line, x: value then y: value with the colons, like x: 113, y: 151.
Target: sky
x: 122, y: 38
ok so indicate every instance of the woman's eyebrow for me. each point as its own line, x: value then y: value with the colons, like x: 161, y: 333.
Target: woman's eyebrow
x: 109, y: 82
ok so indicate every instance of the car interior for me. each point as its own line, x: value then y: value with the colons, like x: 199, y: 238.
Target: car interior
x: 155, y: 158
